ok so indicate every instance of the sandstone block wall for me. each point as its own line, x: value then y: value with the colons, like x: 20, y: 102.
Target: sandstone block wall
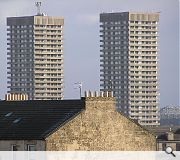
x: 101, y: 128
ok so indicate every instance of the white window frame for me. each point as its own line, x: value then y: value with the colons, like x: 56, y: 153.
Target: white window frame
x: 31, y: 145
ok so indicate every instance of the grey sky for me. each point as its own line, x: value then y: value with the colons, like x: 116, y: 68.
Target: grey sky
x: 81, y: 44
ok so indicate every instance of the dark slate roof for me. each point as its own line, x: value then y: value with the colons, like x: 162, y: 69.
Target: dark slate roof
x: 35, y: 119
x: 177, y: 131
x: 162, y: 137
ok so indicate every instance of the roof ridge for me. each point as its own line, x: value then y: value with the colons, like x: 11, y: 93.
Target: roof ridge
x: 58, y: 125
x: 135, y: 122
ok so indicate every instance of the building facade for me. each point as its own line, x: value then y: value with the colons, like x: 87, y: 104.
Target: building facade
x: 88, y: 124
x: 169, y: 138
x: 166, y: 136
x: 129, y: 63
x: 35, y: 56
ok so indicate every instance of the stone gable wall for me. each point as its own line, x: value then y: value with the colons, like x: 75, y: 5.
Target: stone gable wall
x: 101, y: 128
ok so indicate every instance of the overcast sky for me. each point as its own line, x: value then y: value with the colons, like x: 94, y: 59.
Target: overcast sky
x: 81, y: 40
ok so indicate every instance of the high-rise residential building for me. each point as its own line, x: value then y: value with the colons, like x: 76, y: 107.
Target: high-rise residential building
x: 129, y: 63
x: 35, y: 56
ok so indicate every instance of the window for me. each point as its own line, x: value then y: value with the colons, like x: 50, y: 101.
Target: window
x: 31, y: 147
x: 164, y: 146
x: 178, y: 147
x: 14, y: 147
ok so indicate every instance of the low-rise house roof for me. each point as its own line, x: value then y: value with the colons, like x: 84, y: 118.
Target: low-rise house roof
x: 35, y: 119
x: 92, y: 123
